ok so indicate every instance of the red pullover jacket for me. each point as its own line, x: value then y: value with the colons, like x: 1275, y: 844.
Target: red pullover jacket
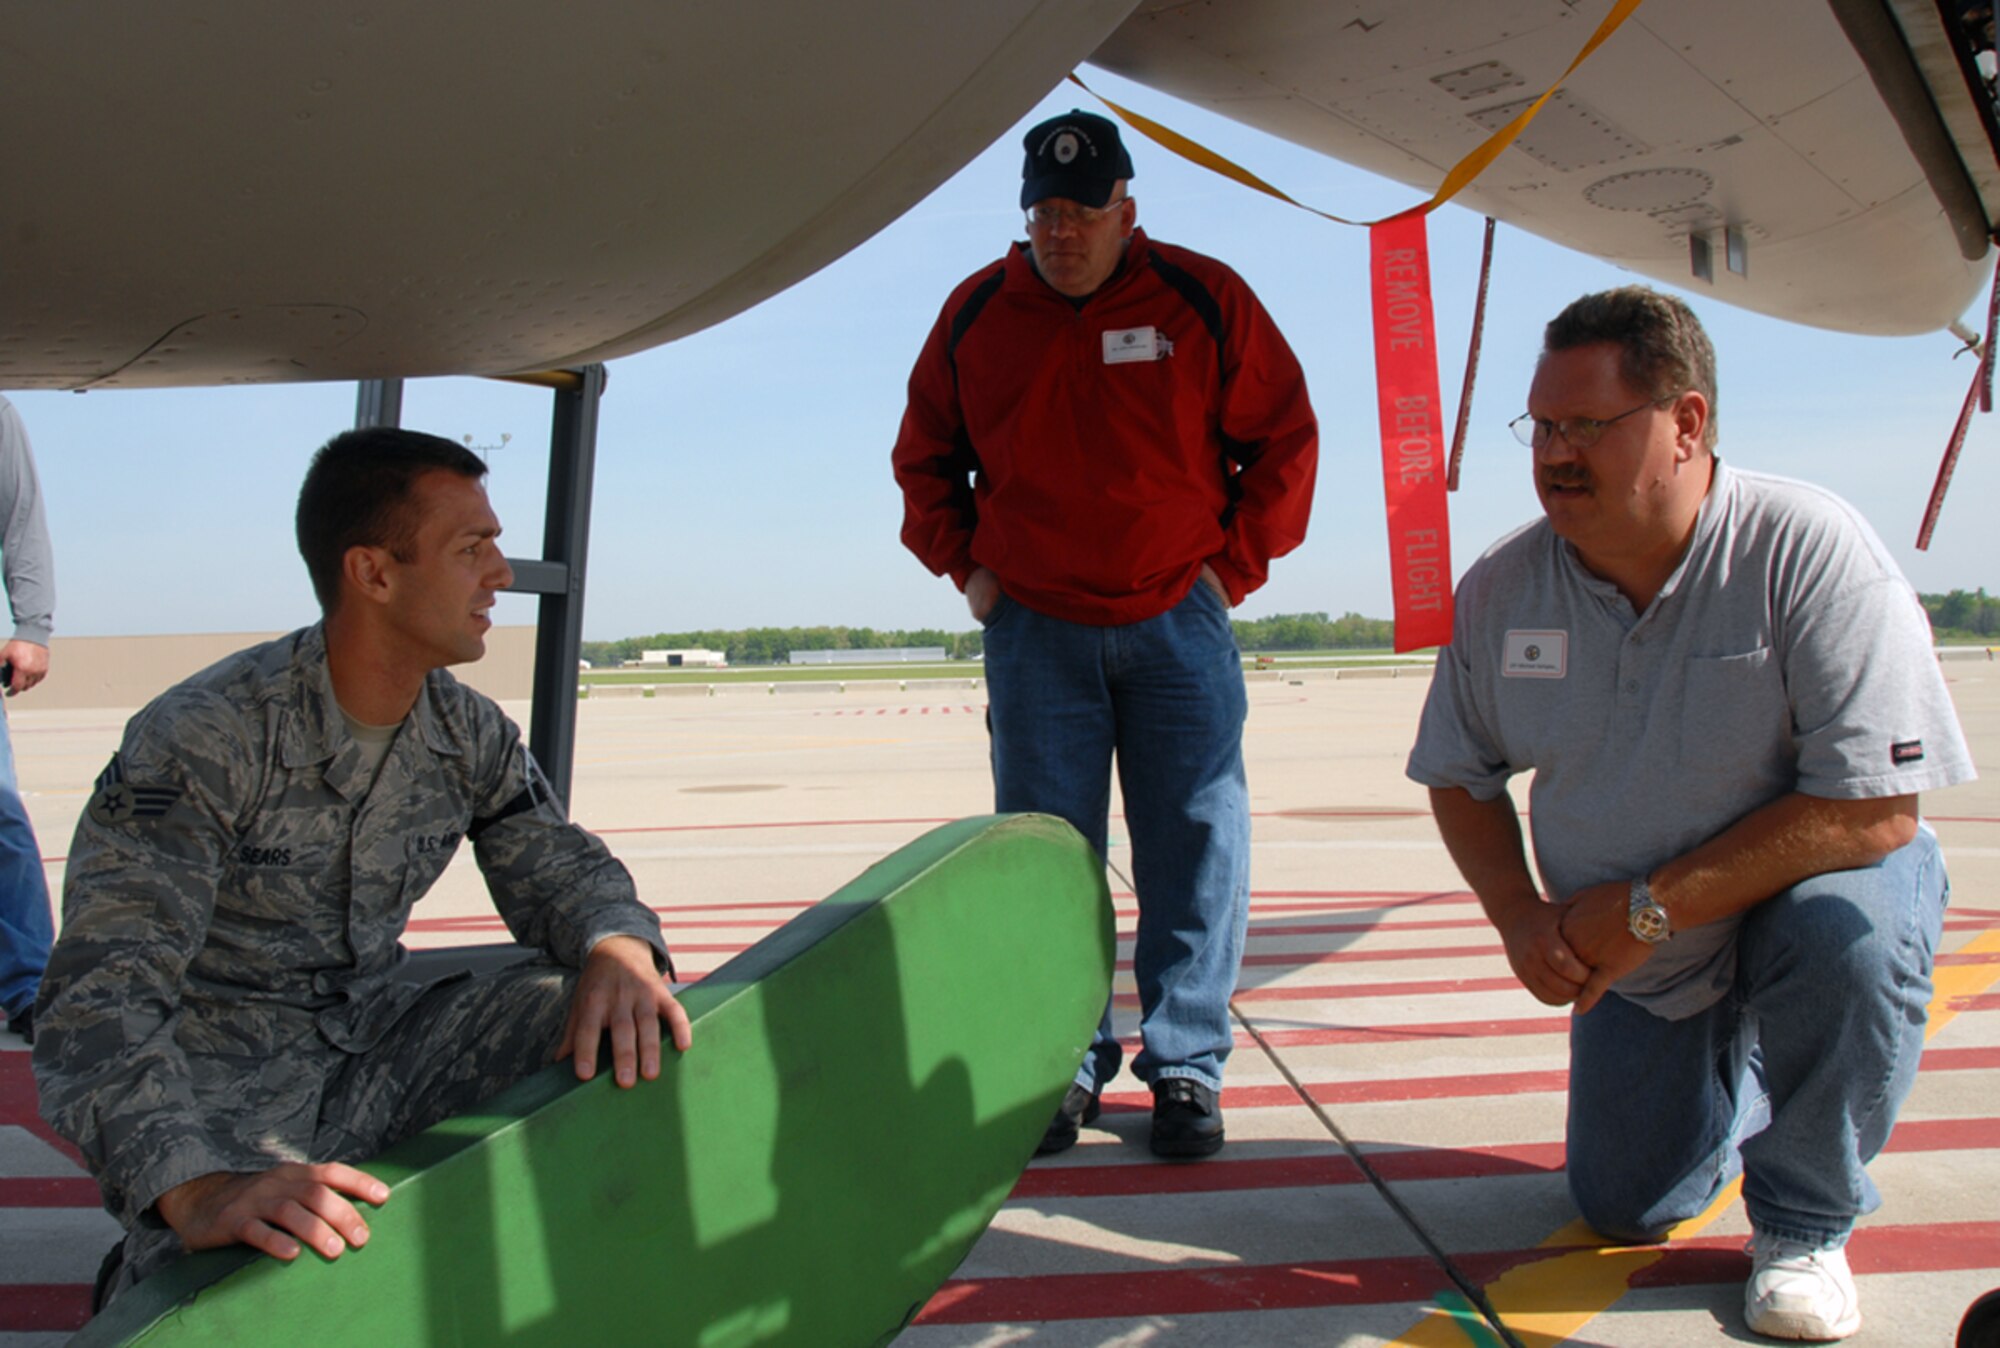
x: 1093, y: 456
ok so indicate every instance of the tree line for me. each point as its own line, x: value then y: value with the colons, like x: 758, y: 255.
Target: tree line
x: 1962, y: 614
x: 774, y: 645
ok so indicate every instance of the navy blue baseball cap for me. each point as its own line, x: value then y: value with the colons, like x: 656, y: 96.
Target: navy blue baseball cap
x: 1077, y: 157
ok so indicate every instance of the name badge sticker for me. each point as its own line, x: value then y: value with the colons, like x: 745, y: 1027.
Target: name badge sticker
x: 1129, y: 345
x: 1535, y: 655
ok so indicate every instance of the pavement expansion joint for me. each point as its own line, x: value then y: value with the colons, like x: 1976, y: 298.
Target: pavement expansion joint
x: 1474, y: 1295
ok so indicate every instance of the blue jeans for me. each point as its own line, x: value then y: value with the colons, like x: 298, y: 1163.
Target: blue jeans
x: 1794, y: 1078
x: 27, y: 927
x: 1165, y: 697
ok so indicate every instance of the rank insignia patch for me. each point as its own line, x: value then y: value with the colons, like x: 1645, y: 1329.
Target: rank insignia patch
x: 115, y: 800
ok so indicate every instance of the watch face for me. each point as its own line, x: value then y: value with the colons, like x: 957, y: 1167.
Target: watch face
x: 1649, y: 924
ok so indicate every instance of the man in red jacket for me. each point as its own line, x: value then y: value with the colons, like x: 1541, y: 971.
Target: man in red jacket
x: 1107, y: 441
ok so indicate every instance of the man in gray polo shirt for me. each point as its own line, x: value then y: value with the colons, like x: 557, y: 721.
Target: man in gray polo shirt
x: 1727, y: 693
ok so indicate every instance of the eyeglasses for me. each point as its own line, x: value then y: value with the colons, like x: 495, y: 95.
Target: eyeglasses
x: 1047, y: 215
x: 1579, y: 433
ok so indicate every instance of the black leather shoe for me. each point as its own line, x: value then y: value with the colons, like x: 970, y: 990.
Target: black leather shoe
x: 1079, y: 1106
x: 1187, y: 1119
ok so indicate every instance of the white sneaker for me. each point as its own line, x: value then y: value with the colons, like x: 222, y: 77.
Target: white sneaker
x: 1799, y: 1291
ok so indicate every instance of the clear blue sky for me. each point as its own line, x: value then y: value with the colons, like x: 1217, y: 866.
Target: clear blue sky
x: 743, y: 472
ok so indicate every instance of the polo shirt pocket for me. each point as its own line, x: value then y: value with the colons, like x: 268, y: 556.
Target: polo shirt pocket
x: 1736, y: 714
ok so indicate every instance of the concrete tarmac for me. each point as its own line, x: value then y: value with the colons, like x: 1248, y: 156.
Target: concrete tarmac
x: 1395, y: 1102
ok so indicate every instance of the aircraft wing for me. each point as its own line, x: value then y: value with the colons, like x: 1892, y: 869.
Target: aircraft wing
x: 220, y: 191
x: 231, y: 191
x: 1845, y: 148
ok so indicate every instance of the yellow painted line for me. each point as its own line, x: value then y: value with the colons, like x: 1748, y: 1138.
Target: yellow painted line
x: 1549, y: 1301
x: 1961, y: 980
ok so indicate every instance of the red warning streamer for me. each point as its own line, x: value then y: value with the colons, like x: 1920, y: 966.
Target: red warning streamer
x: 1413, y: 466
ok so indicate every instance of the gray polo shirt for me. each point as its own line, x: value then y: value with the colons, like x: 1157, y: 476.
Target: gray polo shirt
x: 27, y: 567
x: 1785, y: 653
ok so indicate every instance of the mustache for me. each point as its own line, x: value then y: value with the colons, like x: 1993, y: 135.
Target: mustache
x: 1566, y: 475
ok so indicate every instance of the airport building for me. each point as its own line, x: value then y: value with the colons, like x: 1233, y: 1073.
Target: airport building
x: 901, y: 655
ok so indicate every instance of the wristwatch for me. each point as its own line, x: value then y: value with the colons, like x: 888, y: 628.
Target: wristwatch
x: 1648, y: 921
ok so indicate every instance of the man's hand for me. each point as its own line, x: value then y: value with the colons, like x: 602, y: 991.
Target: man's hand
x: 982, y: 592
x: 1597, y: 923
x: 30, y: 663
x: 274, y: 1210
x: 1544, y: 962
x: 620, y: 991
x: 1214, y: 582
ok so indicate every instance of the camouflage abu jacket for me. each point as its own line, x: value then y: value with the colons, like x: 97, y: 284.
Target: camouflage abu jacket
x: 237, y: 889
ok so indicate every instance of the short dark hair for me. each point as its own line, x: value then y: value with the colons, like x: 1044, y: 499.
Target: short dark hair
x: 356, y: 493
x: 1665, y: 351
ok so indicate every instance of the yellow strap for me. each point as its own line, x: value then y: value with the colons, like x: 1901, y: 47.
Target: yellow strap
x: 1455, y: 181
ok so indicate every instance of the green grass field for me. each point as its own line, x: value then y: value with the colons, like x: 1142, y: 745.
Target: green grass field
x: 955, y: 669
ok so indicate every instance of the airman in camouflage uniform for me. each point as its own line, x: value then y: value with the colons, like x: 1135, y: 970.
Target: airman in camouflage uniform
x: 229, y: 992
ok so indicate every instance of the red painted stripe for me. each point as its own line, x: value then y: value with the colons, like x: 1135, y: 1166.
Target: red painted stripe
x: 1398, y: 1165
x: 1439, y: 1163
x: 1310, y: 958
x: 1945, y: 1134
x: 1985, y: 1001
x: 1412, y: 1165
x: 1973, y: 957
x: 1946, y: 1247
x: 1436, y: 952
x: 1438, y: 987
x: 1291, y: 1172
x: 41, y: 1308
x: 1337, y: 928
x: 50, y: 1191
x: 1376, y: 1034
x: 1102, y: 1181
x: 1336, y: 900
x: 1440, y: 1088
x: 1417, y: 1033
x: 1528, y: 1083
x: 1961, y: 1059
x: 1153, y: 1292
x: 1216, y: 1289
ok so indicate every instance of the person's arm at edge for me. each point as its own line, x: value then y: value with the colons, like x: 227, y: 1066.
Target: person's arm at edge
x: 1268, y: 417
x: 1484, y: 839
x: 1766, y: 852
x: 933, y: 465
x: 26, y: 555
